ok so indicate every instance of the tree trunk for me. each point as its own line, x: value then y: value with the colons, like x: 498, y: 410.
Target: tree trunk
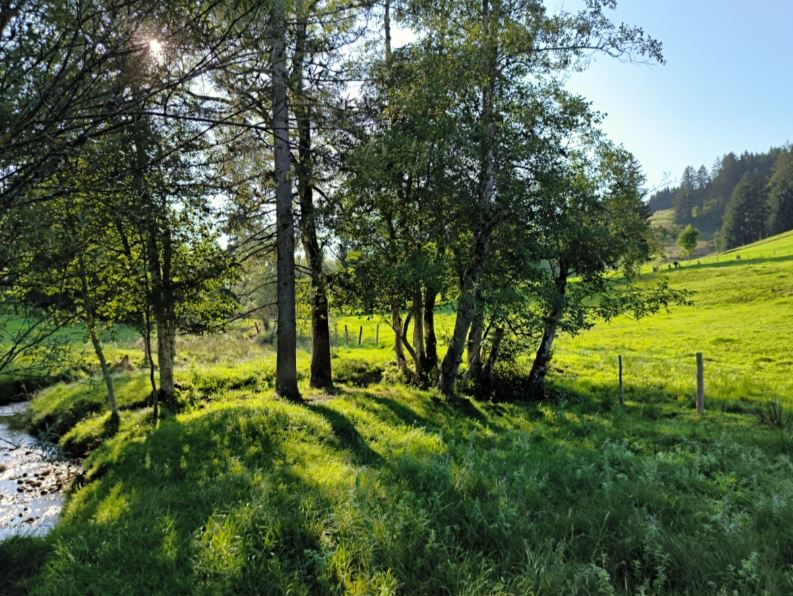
x: 286, y: 350
x: 418, y: 334
x: 151, y: 250
x: 160, y: 269
x: 466, y: 305
x: 474, y: 345
x: 165, y: 357
x: 150, y: 362
x: 396, y: 325
x: 495, y: 348
x: 321, y: 373
x: 172, y: 340
x: 387, y: 31
x: 106, y: 376
x: 166, y: 327
x: 89, y: 310
x: 542, y: 359
x: 466, y: 309
x: 430, y: 341
x: 146, y: 348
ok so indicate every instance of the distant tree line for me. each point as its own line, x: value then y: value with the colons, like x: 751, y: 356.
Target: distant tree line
x: 740, y: 200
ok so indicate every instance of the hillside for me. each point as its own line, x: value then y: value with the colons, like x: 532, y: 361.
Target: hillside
x: 664, y: 220
x: 742, y: 302
x: 741, y: 199
x: 388, y: 489
x: 335, y: 298
x: 742, y: 306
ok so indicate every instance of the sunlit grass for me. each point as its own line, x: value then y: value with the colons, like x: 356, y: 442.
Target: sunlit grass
x: 739, y: 319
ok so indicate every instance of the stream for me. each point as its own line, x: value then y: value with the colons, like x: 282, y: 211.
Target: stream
x: 32, y: 480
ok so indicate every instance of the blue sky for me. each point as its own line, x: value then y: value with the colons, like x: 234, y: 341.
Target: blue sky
x: 727, y: 84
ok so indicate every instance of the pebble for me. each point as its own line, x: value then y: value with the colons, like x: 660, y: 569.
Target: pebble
x: 33, y: 508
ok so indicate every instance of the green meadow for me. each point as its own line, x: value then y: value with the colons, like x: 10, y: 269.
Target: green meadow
x: 381, y: 488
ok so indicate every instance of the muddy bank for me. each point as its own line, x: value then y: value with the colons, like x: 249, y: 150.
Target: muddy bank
x: 32, y: 480
x: 21, y: 389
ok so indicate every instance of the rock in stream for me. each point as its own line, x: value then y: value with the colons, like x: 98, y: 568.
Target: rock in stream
x: 32, y: 480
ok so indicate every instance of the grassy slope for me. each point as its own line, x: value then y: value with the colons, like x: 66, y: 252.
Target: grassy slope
x: 388, y: 489
x: 666, y: 219
x: 740, y: 320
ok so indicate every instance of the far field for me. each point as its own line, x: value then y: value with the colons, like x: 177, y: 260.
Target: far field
x: 665, y: 219
x: 740, y: 318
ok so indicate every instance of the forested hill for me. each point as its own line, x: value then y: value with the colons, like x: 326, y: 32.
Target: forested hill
x: 741, y: 199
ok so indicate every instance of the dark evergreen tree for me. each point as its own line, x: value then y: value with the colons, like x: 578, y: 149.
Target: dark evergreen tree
x: 780, y: 194
x: 703, y: 178
x: 684, y: 197
x: 701, y: 198
x: 661, y: 200
x: 745, y: 217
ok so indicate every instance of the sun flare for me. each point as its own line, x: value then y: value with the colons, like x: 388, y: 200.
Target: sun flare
x: 155, y: 48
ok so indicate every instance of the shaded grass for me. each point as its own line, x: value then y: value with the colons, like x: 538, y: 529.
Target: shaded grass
x: 20, y: 561
x: 394, y: 490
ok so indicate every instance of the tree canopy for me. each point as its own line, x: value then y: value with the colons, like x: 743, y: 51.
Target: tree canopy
x: 176, y: 152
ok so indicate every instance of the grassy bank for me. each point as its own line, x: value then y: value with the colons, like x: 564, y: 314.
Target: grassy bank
x: 393, y: 490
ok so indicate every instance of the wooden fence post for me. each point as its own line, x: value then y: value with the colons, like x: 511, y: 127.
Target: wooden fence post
x: 377, y: 335
x: 346, y: 337
x: 622, y: 389
x: 700, y: 384
x: 360, y: 336
x: 336, y: 332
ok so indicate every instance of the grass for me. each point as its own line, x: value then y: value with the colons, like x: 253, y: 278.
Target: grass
x: 382, y: 488
x: 739, y: 319
x: 387, y: 489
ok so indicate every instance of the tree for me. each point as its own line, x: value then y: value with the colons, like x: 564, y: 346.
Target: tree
x: 507, y: 48
x: 684, y: 197
x: 306, y: 36
x: 77, y: 78
x: 780, y: 194
x: 703, y: 178
x: 599, y: 224
x: 168, y: 173
x: 401, y: 177
x: 687, y: 240
x: 286, y: 357
x: 745, y: 217
x: 322, y: 31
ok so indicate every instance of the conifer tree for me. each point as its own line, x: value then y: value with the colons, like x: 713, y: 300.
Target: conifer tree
x: 745, y: 217
x: 780, y: 195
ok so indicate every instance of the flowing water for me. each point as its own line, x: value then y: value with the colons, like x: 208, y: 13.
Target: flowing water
x: 32, y: 480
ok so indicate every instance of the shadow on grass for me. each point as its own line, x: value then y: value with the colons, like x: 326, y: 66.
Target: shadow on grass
x: 252, y: 498
x: 21, y: 559
x: 726, y: 261
x: 182, y: 503
x: 78, y: 445
x: 348, y: 435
